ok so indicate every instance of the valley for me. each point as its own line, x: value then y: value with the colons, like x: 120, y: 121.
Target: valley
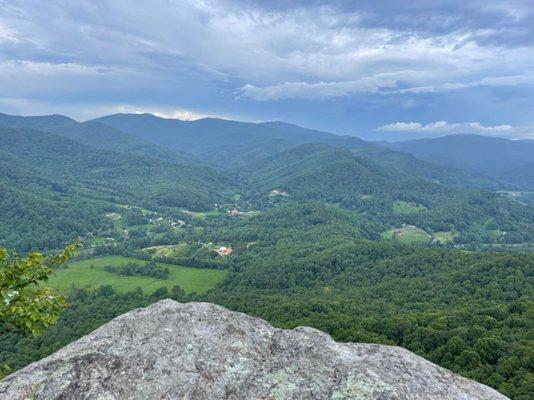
x: 296, y: 226
x: 270, y: 200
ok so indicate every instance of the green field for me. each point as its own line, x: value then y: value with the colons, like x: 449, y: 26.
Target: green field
x: 90, y: 274
x: 168, y: 250
x: 407, y: 234
x: 201, y: 214
x: 405, y: 207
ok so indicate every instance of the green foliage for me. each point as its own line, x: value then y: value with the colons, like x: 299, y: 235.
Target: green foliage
x: 75, y: 185
x: 27, y: 305
x: 383, y: 193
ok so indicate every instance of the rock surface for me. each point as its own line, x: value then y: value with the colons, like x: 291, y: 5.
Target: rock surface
x: 202, y: 351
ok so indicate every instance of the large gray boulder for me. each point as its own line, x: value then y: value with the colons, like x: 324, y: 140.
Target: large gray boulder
x: 202, y: 351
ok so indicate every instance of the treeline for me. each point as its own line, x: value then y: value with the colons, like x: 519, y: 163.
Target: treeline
x: 133, y: 269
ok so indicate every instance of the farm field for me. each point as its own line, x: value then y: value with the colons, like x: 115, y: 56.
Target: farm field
x: 405, y: 207
x: 168, y: 250
x: 90, y: 274
x: 407, y: 234
x: 201, y: 214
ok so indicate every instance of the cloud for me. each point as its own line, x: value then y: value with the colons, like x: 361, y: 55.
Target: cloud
x: 178, y: 113
x: 444, y: 127
x: 386, y: 84
x: 495, y: 81
x: 373, y: 84
x: 242, y: 57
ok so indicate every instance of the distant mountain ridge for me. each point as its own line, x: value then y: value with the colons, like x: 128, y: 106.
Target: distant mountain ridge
x: 504, y: 159
x: 35, y: 122
x: 96, y: 135
x: 224, y: 143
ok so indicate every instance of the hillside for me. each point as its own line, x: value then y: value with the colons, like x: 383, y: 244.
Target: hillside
x: 39, y: 210
x: 374, y: 185
x: 221, y: 142
x: 200, y: 350
x: 409, y: 165
x: 42, y: 122
x: 51, y: 175
x: 494, y: 157
x: 312, y: 135
x: 96, y: 135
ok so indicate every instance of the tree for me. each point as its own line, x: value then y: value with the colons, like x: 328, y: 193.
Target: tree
x: 27, y: 305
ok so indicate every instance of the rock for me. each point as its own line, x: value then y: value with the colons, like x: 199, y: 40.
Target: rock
x: 202, y: 351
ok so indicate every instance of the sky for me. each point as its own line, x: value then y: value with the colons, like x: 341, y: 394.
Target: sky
x: 366, y: 68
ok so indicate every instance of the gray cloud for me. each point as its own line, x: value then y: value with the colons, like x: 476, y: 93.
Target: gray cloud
x: 216, y: 55
x: 459, y: 128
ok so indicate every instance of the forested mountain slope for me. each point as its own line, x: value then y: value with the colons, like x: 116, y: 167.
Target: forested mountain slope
x: 42, y: 122
x: 495, y: 157
x: 408, y: 164
x: 370, y: 186
x: 312, y: 135
x: 39, y: 210
x: 103, y: 137
x: 222, y: 142
x: 96, y: 135
x: 122, y: 175
x: 68, y: 186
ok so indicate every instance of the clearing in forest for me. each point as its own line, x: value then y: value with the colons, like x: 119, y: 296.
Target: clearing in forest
x: 90, y: 274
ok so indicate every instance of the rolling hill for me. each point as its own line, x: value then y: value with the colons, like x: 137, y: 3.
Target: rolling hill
x: 139, y: 159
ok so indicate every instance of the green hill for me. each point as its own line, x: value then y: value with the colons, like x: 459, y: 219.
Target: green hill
x: 371, y: 186
x: 68, y: 186
x: 97, y: 135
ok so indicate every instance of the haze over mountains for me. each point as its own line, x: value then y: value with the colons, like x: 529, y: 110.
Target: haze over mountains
x: 511, y: 161
x: 223, y: 143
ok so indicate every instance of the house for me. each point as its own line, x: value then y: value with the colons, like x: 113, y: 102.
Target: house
x: 234, y: 212
x: 224, y: 251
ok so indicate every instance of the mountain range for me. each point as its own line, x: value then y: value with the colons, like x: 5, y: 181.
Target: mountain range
x: 152, y: 162
x: 510, y: 161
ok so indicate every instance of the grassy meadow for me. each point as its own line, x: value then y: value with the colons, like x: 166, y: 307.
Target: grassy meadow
x: 90, y: 274
x: 407, y: 234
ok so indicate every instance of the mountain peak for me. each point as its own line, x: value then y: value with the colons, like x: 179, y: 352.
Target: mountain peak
x: 36, y: 122
x: 204, y: 351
